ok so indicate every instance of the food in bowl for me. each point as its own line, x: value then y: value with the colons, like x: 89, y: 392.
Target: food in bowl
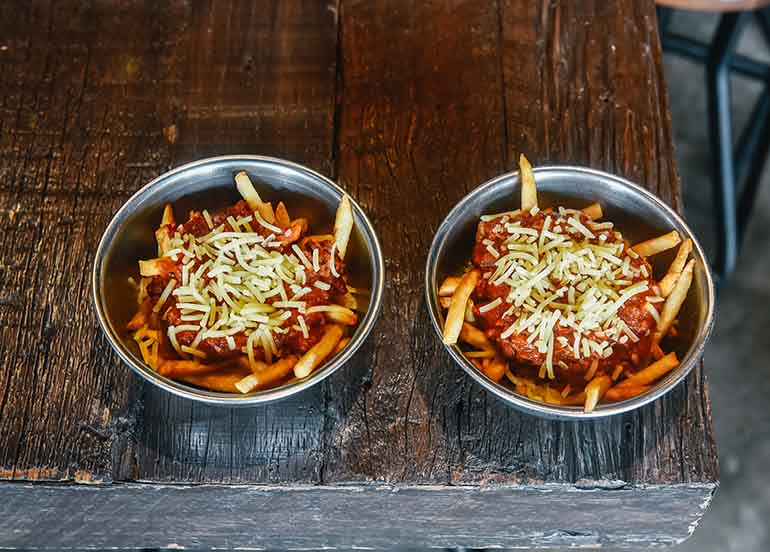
x: 557, y: 303
x: 244, y: 298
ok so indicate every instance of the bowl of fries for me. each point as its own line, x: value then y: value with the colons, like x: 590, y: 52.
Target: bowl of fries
x: 238, y: 280
x: 568, y: 292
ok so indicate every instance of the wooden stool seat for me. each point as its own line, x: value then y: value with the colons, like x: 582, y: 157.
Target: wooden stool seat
x: 714, y: 5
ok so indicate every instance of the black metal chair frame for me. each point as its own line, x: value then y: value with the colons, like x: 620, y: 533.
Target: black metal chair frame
x: 733, y: 167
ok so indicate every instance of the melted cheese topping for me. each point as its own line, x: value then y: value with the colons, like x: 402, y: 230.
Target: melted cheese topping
x: 560, y: 276
x: 238, y: 282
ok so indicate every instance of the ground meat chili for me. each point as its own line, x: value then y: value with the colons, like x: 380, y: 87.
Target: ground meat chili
x: 295, y: 276
x: 559, y: 293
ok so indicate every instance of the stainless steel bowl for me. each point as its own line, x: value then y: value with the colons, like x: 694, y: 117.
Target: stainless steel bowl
x: 637, y: 213
x: 209, y: 183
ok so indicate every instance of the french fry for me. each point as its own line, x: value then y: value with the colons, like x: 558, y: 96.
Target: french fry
x: 294, y: 231
x: 675, y: 270
x: 475, y: 337
x: 615, y: 394
x: 484, y: 353
x: 282, y: 215
x: 593, y: 211
x: 163, y: 239
x: 340, y: 315
x: 317, y: 238
x: 445, y: 302
x: 168, y: 215
x: 595, y: 390
x: 224, y: 382
x: 270, y: 375
x: 456, y: 315
x: 656, y: 351
x: 341, y: 345
x: 653, y: 372
x: 141, y: 317
x: 448, y: 286
x: 318, y: 352
x: 249, y: 193
x: 674, y: 302
x: 162, y: 234
x: 496, y: 369
x: 658, y: 245
x: 142, y: 295
x: 528, y: 187
x: 343, y: 225
x: 348, y: 301
x: 175, y: 369
x: 589, y: 375
x: 156, y: 267
x: 575, y: 399
x: 469, y: 312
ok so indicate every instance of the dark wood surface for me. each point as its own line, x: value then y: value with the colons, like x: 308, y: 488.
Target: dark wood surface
x: 409, y: 106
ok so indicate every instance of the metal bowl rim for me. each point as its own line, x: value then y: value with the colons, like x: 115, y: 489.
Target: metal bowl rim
x: 570, y: 412
x: 229, y: 399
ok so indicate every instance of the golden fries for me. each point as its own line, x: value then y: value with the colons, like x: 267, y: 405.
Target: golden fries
x: 653, y: 372
x: 658, y: 245
x: 517, y: 242
x: 341, y: 315
x: 593, y: 211
x: 456, y: 315
x: 282, y: 215
x: 318, y: 352
x: 595, y: 390
x: 155, y: 267
x: 267, y: 377
x: 617, y: 393
x: 475, y: 337
x: 675, y: 270
x: 224, y: 382
x: 448, y: 286
x: 249, y: 193
x: 341, y: 345
x: 674, y: 302
x: 175, y: 369
x: 343, y: 225
x: 528, y: 187
x: 349, y: 301
x: 223, y: 334
x: 495, y: 370
x: 168, y: 215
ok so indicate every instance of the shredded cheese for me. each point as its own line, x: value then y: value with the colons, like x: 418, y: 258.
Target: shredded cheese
x: 562, y: 275
x: 236, y: 284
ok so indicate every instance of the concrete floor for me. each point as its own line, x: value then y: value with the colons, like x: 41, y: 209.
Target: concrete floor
x: 737, y: 356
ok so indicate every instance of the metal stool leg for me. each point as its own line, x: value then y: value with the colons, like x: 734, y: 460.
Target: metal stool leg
x: 718, y: 71
x: 664, y: 18
x: 761, y: 127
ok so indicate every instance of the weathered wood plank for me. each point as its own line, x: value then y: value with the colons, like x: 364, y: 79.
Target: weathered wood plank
x: 80, y: 131
x: 431, y: 131
x: 433, y: 98
x: 346, y: 517
x: 254, y: 78
x: 106, y: 98
x: 604, y: 104
x: 422, y: 123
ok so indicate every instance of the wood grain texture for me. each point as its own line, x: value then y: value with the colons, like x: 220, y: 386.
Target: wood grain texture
x: 255, y: 77
x: 346, y: 517
x: 81, y: 128
x: 418, y: 130
x: 409, y: 105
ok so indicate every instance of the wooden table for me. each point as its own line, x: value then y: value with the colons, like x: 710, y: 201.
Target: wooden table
x: 409, y: 105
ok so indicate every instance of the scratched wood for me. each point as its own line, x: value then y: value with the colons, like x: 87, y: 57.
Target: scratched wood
x: 409, y: 105
x: 310, y: 517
